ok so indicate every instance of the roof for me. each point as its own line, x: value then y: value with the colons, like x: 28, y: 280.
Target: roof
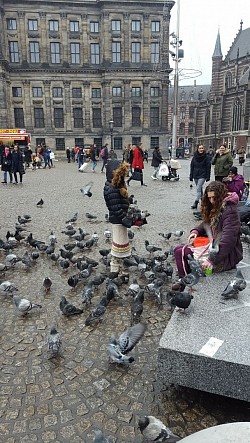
x: 191, y: 93
x: 240, y: 46
x: 217, y: 48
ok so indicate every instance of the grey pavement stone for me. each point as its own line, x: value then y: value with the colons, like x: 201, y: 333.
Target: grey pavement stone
x: 94, y: 393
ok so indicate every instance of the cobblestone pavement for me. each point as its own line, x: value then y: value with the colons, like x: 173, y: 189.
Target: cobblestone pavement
x: 64, y: 399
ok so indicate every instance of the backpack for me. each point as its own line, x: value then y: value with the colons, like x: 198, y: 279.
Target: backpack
x: 245, y: 193
x: 102, y: 153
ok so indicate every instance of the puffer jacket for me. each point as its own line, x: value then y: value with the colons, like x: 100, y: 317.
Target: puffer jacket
x: 116, y: 204
x: 6, y: 162
x: 222, y: 163
x: 200, y: 167
x: 156, y: 159
x: 17, y: 162
x: 228, y: 231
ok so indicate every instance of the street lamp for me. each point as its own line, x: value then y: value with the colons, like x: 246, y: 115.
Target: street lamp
x: 111, y: 129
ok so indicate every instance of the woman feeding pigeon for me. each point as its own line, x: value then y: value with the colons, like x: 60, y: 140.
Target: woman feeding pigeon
x: 221, y: 224
x: 117, y: 201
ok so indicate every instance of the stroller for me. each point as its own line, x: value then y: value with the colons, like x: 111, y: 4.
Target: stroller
x: 169, y: 171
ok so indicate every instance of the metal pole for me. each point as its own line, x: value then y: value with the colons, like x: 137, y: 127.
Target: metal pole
x: 176, y: 84
x: 111, y: 134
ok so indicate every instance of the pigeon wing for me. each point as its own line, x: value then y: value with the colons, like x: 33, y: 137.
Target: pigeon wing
x: 130, y: 337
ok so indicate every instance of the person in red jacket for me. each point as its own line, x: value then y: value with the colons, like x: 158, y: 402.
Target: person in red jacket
x: 137, y: 164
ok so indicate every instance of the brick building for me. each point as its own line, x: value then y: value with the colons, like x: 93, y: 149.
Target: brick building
x: 68, y: 68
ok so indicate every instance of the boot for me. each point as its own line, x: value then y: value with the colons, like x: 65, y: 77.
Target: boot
x: 195, y: 204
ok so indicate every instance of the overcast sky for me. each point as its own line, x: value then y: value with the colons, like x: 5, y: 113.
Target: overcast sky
x: 199, y: 24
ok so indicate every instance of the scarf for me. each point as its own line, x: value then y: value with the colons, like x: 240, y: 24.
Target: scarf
x: 200, y: 157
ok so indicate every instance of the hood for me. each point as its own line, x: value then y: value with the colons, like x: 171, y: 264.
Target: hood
x: 112, y: 165
x: 238, y: 177
x: 232, y: 198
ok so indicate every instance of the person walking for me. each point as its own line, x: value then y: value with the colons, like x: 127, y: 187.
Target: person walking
x: 6, y: 164
x: 200, y: 170
x: 17, y: 164
x: 156, y: 161
x: 137, y: 165
x: 68, y: 154
x: 222, y: 161
x: 241, y: 154
x: 46, y: 157
x: 104, y: 154
x: 28, y: 155
x: 93, y: 157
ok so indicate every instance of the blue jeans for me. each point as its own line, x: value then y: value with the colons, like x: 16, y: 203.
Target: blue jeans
x: 199, y: 185
x: 156, y: 170
x: 104, y: 161
x: 5, y: 176
x: 94, y: 164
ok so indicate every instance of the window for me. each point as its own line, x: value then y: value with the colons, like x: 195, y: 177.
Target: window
x: 37, y: 92
x: 14, y: 52
x: 57, y: 92
x: 74, y: 26
x: 154, y: 91
x: 155, y: 26
x: 77, y: 92
x: 94, y: 27
x: 117, y: 91
x: 79, y: 142
x: 96, y: 92
x: 136, y: 91
x: 34, y: 52
x: 237, y: 113
x: 154, y: 142
x: 155, y: 52
x: 75, y: 53
x: 16, y: 92
x: 154, y: 117
x: 136, y: 52
x: 78, y: 117
x: 60, y: 144
x: 97, y: 117
x: 229, y: 80
x: 207, y: 122
x: 136, y: 141
x: 11, y: 24
x: 117, y: 116
x: 118, y: 143
x: 95, y: 53
x: 182, y: 112
x: 58, y: 118
x: 116, y: 25
x: 40, y: 141
x: 32, y: 25
x: 136, y: 116
x: 39, y: 118
x: 55, y: 52
x: 19, y: 118
x: 182, y: 128
x: 135, y: 25
x: 190, y: 128
x: 54, y: 25
x: 191, y: 112
x: 98, y: 142
x: 116, y: 52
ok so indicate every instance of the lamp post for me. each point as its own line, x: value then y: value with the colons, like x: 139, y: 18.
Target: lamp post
x: 111, y: 129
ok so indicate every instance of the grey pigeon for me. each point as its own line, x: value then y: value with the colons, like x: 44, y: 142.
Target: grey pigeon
x: 90, y: 216
x: 54, y: 342
x: 39, y: 204
x: 166, y: 236
x: 178, y: 234
x: 73, y: 280
x: 107, y: 235
x: 151, y: 248
x: 119, y: 348
x: 68, y: 309
x: 23, y: 305
x: 137, y: 307
x: 73, y: 219
x: 235, y: 286
x: 99, y: 437
x: 7, y: 287
x: 47, y: 283
x: 97, y: 314
x: 87, y: 294
x: 112, y: 290
x: 195, y: 266
x: 86, y: 189
x: 133, y: 288
x: 153, y: 430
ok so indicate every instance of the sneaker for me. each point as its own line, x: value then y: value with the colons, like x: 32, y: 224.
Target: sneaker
x: 144, y: 184
x: 5, y: 183
x: 154, y: 178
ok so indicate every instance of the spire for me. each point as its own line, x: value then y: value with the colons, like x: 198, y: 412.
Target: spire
x: 217, y: 48
x: 241, y: 23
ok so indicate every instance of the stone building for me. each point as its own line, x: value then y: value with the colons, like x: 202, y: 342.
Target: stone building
x: 69, y: 68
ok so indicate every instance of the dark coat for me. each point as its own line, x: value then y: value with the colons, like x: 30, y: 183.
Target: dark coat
x: 17, y: 162
x: 116, y: 204
x: 200, y: 167
x: 228, y: 228
x: 6, y: 162
x: 156, y: 159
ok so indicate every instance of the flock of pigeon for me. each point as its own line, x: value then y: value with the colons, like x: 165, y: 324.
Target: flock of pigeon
x: 152, y: 275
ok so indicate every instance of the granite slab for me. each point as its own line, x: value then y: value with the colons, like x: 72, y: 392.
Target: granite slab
x: 226, y: 433
x: 208, y: 348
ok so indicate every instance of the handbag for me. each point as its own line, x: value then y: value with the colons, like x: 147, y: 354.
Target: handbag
x: 137, y: 175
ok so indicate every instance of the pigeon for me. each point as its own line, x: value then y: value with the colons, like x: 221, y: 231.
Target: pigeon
x: 131, y: 234
x: 87, y: 294
x: 99, y: 437
x: 54, y: 342
x: 73, y: 219
x: 119, y: 348
x: 39, y: 204
x: 153, y: 429
x: 168, y: 269
x: 96, y: 315
x: 69, y: 246
x: 18, y: 236
x: 86, y: 189
x: 90, y: 216
x: 137, y: 307
x: 111, y: 290
x: 98, y: 280
x: 191, y: 280
x: 51, y: 248
x: 12, y: 259
x: 85, y: 273
x: 22, y: 220
x: 178, y: 234
x: 155, y: 289
x: 151, y: 248
x: 133, y: 288
x: 181, y: 300
x: 90, y: 243
x: 64, y: 263
x: 234, y: 286
x: 34, y: 255
x: 107, y: 235
x: 54, y: 257
x: 69, y: 232
x: 214, y: 242
x: 95, y: 237
x: 66, y: 254
x: 23, y: 305
x: 73, y: 281
x: 52, y: 237
x: 33, y: 242
x: 165, y: 236
x: 195, y: 266
x: 68, y: 309
x: 104, y: 252
x: 47, y: 283
x: 7, y: 287
x: 27, y: 260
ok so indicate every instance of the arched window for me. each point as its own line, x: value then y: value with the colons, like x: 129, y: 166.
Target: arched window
x: 237, y: 113
x: 228, y: 80
x: 182, y: 128
x: 182, y: 112
x: 191, y: 111
x: 207, y: 121
x: 190, y: 128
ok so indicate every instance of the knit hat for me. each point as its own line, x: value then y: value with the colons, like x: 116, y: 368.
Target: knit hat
x: 234, y: 170
x: 112, y: 165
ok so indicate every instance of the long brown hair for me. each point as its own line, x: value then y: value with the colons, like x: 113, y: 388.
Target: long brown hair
x: 118, y: 179
x: 209, y: 211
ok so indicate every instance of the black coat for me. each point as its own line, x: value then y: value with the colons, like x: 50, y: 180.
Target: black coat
x: 6, y: 162
x: 200, y: 167
x: 17, y: 162
x: 116, y: 204
x: 157, y: 158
